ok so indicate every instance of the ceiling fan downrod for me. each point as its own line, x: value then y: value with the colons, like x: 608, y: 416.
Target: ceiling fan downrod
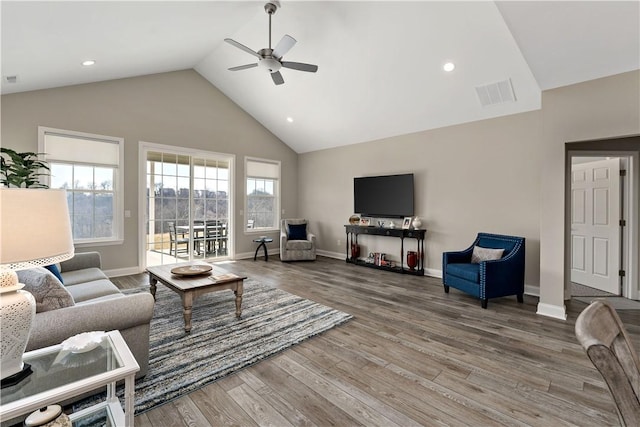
x: 270, y: 8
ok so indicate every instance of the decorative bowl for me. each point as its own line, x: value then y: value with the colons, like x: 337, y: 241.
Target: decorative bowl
x: 191, y: 270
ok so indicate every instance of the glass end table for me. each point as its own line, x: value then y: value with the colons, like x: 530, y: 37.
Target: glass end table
x: 59, y: 375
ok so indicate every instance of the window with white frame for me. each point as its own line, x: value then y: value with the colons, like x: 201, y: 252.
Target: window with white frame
x: 89, y: 167
x: 262, y: 205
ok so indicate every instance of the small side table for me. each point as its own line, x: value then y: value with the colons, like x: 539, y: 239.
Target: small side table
x: 59, y: 375
x: 263, y: 244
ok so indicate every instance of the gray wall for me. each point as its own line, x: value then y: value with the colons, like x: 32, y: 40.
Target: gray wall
x: 480, y: 176
x: 595, y: 109
x: 180, y: 108
x: 502, y: 175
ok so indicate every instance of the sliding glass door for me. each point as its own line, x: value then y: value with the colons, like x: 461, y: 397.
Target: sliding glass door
x: 187, y: 207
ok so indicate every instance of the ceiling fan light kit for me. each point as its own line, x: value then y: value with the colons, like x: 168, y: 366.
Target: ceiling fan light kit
x: 271, y: 59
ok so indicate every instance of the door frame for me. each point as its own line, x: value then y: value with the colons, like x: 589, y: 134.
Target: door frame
x: 625, y: 148
x: 143, y: 147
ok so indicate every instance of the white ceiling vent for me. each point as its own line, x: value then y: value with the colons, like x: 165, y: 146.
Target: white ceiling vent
x: 11, y: 79
x: 496, y: 93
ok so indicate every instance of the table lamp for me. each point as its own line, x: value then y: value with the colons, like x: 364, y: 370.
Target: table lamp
x: 35, y: 231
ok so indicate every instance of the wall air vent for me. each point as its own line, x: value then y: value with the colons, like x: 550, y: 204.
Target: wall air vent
x: 11, y: 79
x: 496, y: 93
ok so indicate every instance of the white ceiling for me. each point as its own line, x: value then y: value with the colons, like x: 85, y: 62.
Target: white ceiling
x: 380, y: 63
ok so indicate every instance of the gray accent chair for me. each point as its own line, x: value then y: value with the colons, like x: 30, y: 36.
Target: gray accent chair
x: 98, y: 306
x: 296, y: 249
x: 603, y: 336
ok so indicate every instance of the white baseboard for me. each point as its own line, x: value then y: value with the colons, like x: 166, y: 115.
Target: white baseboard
x: 550, y: 310
x: 432, y: 272
x: 246, y: 255
x: 335, y: 255
x: 532, y: 290
x: 122, y: 271
x: 250, y: 255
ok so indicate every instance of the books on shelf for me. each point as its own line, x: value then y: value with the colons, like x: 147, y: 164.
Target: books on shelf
x: 225, y: 277
x: 379, y: 259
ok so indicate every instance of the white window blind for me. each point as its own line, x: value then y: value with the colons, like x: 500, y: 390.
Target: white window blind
x: 81, y: 150
x: 262, y: 169
x: 89, y: 167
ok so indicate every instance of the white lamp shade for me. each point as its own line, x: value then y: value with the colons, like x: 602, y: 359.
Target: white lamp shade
x: 34, y: 228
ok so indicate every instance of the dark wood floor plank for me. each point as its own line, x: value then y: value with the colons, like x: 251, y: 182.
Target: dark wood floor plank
x: 509, y: 403
x: 412, y: 355
x: 275, y: 399
x: 166, y: 415
x: 190, y: 413
x: 217, y: 406
x: 311, y: 360
x: 401, y: 399
x: 312, y: 403
x: 142, y: 420
x: 492, y: 416
x: 257, y: 408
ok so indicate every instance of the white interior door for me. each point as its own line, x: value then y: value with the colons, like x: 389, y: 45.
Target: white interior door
x: 595, y: 224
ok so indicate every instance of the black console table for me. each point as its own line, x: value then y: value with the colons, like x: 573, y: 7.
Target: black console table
x: 352, y: 238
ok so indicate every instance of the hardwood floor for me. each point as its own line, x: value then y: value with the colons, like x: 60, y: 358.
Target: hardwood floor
x: 411, y: 356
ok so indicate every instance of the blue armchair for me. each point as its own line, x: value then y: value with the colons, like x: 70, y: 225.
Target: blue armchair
x: 491, y: 278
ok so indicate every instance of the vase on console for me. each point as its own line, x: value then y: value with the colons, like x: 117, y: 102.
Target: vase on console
x: 416, y: 223
x: 412, y: 260
x: 355, y: 251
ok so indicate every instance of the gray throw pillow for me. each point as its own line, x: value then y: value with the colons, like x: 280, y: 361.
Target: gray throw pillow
x: 47, y: 290
x: 485, y: 254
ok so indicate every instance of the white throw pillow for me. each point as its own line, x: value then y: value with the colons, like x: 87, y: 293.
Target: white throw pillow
x: 47, y: 290
x: 485, y: 254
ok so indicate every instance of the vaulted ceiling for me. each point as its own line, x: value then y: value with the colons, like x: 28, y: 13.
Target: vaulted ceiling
x: 380, y: 63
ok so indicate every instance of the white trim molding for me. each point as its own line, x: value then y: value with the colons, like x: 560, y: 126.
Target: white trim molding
x: 532, y: 290
x: 127, y: 271
x: 249, y: 255
x: 432, y: 272
x: 331, y: 254
x: 550, y: 310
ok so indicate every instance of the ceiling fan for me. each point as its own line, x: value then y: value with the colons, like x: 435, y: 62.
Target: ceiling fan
x: 271, y: 59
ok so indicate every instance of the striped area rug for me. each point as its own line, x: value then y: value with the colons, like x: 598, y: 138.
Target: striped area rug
x: 219, y: 344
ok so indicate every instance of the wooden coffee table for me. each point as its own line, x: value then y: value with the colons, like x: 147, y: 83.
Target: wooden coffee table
x: 191, y: 287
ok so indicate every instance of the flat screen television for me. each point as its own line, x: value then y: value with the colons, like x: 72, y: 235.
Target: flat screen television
x: 388, y: 196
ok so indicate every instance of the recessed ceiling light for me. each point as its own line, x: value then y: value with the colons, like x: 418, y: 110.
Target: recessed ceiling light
x: 88, y: 62
x: 290, y: 119
x: 449, y: 66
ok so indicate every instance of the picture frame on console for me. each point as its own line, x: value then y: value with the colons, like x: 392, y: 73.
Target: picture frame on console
x: 406, y: 223
x: 365, y: 222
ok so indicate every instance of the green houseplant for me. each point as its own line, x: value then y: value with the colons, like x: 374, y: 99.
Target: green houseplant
x: 21, y: 169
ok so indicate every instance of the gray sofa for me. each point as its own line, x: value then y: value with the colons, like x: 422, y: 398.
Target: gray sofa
x: 97, y: 305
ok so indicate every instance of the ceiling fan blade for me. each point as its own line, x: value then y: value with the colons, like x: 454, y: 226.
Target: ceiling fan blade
x: 243, y: 67
x: 242, y: 47
x: 284, y: 46
x: 277, y: 78
x: 300, y: 66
